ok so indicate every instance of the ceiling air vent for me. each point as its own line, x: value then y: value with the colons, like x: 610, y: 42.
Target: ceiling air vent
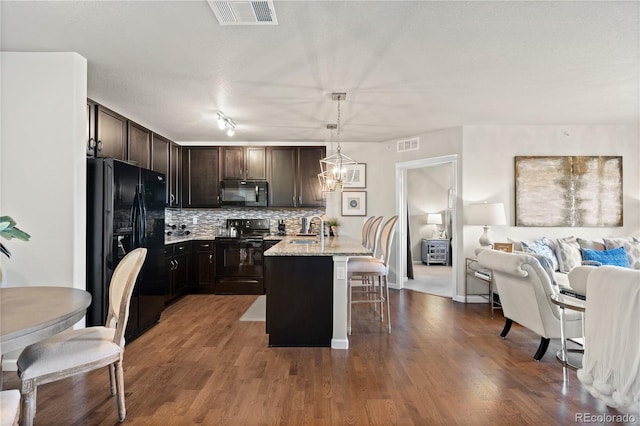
x: 412, y: 144
x: 244, y: 12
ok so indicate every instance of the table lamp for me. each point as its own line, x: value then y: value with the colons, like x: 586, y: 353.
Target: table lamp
x: 485, y: 214
x: 435, y: 219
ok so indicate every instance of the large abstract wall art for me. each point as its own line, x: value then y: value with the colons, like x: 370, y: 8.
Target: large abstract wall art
x: 568, y: 191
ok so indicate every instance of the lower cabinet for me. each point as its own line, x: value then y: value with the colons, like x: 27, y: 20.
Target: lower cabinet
x: 178, y: 266
x: 204, y: 268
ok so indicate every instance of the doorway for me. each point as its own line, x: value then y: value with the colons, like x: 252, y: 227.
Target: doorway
x: 413, y: 214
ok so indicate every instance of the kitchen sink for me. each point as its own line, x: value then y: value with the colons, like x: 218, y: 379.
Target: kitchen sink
x: 305, y: 241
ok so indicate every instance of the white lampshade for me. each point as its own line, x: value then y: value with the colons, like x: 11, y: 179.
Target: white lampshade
x: 485, y: 214
x: 434, y: 219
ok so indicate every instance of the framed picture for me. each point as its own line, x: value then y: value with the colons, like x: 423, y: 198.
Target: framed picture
x: 506, y: 247
x: 359, y: 177
x: 354, y: 203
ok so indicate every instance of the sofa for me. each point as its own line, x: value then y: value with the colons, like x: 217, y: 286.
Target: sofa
x: 559, y: 256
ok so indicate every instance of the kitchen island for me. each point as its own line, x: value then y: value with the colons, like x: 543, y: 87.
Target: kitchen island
x: 306, y: 286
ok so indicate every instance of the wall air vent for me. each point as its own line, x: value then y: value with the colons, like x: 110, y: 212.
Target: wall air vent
x: 412, y: 144
x: 236, y: 12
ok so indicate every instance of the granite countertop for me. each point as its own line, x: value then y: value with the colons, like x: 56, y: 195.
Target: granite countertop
x: 333, y: 246
x: 207, y: 237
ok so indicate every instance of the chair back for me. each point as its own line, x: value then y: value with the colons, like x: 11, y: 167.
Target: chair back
x: 374, y: 235
x: 120, y: 291
x: 386, y: 238
x: 365, y: 230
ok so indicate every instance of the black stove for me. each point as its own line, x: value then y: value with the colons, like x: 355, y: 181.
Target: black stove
x: 247, y: 228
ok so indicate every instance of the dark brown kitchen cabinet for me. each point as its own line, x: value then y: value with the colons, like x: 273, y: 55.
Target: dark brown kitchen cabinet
x: 200, y: 177
x: 111, y: 134
x: 175, y: 157
x: 204, y: 270
x: 91, y: 128
x: 165, y: 158
x: 178, y: 266
x: 293, y: 176
x: 244, y: 163
x: 309, y: 189
x: 139, y: 146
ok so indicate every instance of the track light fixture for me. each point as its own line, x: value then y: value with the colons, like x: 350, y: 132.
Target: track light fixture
x: 225, y: 122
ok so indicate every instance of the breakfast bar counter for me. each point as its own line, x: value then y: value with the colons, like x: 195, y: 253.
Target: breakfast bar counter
x: 306, y: 286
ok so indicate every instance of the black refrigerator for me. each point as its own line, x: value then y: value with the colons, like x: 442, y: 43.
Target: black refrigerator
x: 125, y: 210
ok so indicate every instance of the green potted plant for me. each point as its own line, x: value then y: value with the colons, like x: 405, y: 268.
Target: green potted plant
x: 333, y: 224
x: 9, y: 230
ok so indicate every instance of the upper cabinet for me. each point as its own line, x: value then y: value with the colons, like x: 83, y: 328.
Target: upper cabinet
x: 111, y: 134
x: 165, y: 158
x: 200, y: 177
x: 293, y: 176
x: 139, y: 145
x: 244, y: 163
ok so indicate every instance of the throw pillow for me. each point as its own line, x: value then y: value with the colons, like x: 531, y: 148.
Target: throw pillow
x: 592, y: 244
x: 541, y: 247
x: 631, y: 247
x: 568, y: 253
x: 615, y: 257
x: 546, y: 265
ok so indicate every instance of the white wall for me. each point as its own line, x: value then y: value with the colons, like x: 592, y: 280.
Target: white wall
x: 43, y: 166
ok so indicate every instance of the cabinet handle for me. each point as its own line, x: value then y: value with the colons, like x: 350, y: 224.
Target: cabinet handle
x: 172, y: 198
x: 205, y: 245
x: 210, y: 258
x: 92, y: 143
x: 99, y: 145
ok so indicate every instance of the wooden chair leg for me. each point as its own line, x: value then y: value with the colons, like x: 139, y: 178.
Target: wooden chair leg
x: 122, y: 411
x: 112, y: 379
x: 28, y: 402
x: 506, y: 328
x: 386, y: 289
x: 544, y: 344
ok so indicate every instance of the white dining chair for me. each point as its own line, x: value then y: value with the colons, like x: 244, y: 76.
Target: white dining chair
x: 373, y: 271
x: 82, y: 350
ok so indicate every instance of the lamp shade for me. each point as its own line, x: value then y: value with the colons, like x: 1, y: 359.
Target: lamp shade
x: 485, y: 214
x: 434, y: 219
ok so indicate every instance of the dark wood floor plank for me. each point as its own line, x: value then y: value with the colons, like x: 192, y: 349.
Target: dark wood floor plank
x: 443, y: 364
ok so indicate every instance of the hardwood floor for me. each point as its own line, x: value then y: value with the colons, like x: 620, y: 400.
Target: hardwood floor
x: 443, y: 364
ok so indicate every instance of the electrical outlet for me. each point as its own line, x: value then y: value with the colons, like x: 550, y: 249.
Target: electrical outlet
x: 340, y: 273
x: 195, y: 220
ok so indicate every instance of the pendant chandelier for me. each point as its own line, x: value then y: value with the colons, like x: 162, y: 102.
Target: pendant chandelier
x: 337, y: 170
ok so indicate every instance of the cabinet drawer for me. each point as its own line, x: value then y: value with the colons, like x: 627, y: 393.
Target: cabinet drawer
x: 180, y: 248
x: 203, y: 245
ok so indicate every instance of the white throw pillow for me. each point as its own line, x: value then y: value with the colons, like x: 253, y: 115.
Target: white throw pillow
x: 568, y: 254
x: 631, y: 247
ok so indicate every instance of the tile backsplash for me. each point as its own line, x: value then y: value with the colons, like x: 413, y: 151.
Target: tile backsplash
x: 209, y: 219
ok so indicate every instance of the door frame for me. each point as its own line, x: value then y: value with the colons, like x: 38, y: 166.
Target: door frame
x: 401, y: 208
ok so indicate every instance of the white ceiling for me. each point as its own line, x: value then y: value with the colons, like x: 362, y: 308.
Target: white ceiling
x: 407, y: 67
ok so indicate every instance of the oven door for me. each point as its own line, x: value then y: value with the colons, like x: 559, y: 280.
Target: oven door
x: 239, y: 266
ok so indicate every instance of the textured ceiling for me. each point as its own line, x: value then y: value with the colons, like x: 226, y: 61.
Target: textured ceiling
x: 407, y: 67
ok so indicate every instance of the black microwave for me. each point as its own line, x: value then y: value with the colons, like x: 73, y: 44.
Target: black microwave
x: 243, y: 193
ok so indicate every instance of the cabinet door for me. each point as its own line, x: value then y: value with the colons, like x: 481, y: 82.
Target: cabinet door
x: 309, y: 189
x: 255, y: 163
x: 233, y: 163
x: 203, y: 266
x: 111, y: 132
x: 160, y: 151
x: 91, y: 128
x: 168, y: 267
x: 282, y: 176
x: 181, y: 273
x: 200, y: 177
x: 174, y: 175
x: 139, y: 145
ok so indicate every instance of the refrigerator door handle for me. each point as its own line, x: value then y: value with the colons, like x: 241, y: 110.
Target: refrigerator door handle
x: 135, y: 217
x: 143, y: 216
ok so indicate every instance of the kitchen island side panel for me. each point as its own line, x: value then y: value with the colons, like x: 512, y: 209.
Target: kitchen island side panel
x: 299, y: 300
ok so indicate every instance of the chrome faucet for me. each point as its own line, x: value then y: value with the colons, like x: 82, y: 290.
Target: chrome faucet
x: 309, y: 219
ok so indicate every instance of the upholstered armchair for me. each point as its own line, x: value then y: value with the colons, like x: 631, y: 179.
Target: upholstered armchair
x: 611, y: 363
x: 525, y: 289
